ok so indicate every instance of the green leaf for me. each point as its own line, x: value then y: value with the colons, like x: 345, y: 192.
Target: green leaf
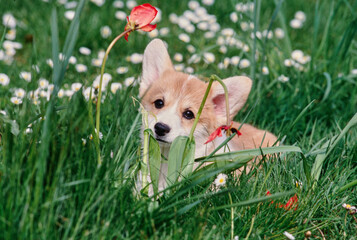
x: 328, y: 146
x: 154, y: 161
x: 181, y: 158
x: 249, y: 153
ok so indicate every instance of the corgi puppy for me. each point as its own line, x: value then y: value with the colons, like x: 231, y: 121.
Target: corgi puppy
x: 173, y: 98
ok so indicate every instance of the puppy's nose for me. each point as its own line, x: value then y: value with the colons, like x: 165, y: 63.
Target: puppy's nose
x: 161, y: 129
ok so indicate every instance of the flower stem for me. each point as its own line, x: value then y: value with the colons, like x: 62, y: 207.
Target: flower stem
x: 97, y: 117
x: 232, y: 216
x: 201, y: 107
x: 228, y: 123
x: 212, y: 78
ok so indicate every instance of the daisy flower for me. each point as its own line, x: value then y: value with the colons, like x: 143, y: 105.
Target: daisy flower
x: 220, y: 181
x: 26, y: 76
x: 4, y: 79
x: 81, y: 68
x: 114, y: 87
x: 105, y: 31
x: 85, y: 50
x: 16, y: 100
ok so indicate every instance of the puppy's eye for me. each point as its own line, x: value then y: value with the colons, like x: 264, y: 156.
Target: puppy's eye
x: 188, y: 115
x: 159, y: 103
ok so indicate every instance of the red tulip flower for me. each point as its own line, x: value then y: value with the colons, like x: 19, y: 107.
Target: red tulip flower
x: 218, y: 132
x: 140, y: 18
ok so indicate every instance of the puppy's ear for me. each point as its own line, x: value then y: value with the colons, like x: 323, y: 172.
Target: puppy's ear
x: 238, y: 92
x: 156, y: 60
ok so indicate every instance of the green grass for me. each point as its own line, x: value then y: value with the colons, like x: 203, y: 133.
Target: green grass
x: 51, y: 187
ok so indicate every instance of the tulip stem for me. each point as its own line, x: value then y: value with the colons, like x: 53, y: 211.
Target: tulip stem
x: 228, y: 123
x: 97, y: 117
x: 212, y: 78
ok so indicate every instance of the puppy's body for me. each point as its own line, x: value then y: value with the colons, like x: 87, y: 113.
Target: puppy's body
x: 173, y: 99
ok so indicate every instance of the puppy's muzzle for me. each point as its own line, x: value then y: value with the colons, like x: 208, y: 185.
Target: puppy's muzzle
x: 161, y: 129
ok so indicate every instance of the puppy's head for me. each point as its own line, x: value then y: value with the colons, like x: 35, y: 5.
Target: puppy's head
x: 173, y: 98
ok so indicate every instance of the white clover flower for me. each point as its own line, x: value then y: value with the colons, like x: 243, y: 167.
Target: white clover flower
x: 120, y: 15
x: 85, y: 51
x: 8, y: 20
x: 220, y: 181
x: 16, y: 100
x: 11, y: 34
x: 76, y: 86
x: 4, y: 79
x: 265, y: 70
x: 184, y: 37
x: 288, y: 62
x: 244, y: 63
x: 69, y: 14
x: 234, y: 17
x: 81, y: 68
x: 179, y: 67
x: 191, y: 49
x: 43, y: 83
x: 131, y: 4
x: 209, y: 57
x: 96, y: 62
x: 153, y: 34
x: 114, y: 87
x: 178, y: 57
x: 25, y: 76
x: 283, y: 78
x: 105, y: 31
x: 193, y: 5
x: 118, y: 4
x: 300, y: 15
x: 208, y: 2
x: 279, y: 33
x: 296, y: 23
x: 164, y: 31
x: 129, y: 81
x: 136, y: 58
